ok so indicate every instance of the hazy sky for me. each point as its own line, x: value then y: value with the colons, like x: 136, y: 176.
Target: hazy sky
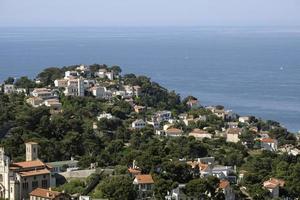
x: 149, y: 12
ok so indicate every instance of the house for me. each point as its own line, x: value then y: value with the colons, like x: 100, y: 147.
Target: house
x: 154, y: 123
x: 273, y: 186
x: 35, y: 101
x: 192, y: 103
x: 145, y: 186
x: 54, y: 104
x: 99, y: 92
x: 173, y: 132
x: 163, y: 115
x: 269, y: 144
x: 43, y: 93
x: 138, y: 124
x: 228, y: 191
x: 233, y: 124
x: 134, y: 170
x: 178, y: 194
x: 200, y: 134
x: 137, y: 90
x: 204, y: 165
x: 139, y: 109
x: 18, y: 179
x: 62, y: 166
x: 105, y: 116
x: 232, y: 135
x: 87, y: 83
x: 71, y: 74
x: 61, y: 83
x: 222, y: 172
x: 75, y: 87
x: 84, y: 71
x: 9, y: 88
x: 244, y: 119
x: 104, y: 73
x: 48, y: 194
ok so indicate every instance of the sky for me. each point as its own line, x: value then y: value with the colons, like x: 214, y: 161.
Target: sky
x: 63, y: 13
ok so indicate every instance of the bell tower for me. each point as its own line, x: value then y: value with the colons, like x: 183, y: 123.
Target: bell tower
x: 31, y: 151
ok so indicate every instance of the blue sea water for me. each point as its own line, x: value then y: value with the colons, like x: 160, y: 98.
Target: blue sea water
x: 251, y: 70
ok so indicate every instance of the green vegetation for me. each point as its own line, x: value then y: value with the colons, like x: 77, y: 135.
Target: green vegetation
x: 114, y: 144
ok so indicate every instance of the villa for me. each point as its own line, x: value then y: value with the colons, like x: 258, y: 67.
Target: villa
x: 18, y: 179
x: 200, y: 134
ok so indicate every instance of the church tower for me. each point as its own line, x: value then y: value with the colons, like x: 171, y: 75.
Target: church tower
x: 31, y: 151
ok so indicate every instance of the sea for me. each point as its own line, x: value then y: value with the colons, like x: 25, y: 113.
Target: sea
x: 250, y: 70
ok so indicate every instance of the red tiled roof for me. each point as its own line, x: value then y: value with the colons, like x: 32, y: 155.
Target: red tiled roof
x: 173, y: 131
x: 29, y: 164
x: 268, y: 140
x: 34, y: 172
x: 224, y: 184
x: 134, y: 171
x: 144, y: 179
x: 44, y: 193
x: 273, y: 183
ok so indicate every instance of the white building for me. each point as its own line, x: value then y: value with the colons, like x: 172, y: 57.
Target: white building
x: 163, y: 116
x: 9, y: 88
x: 273, y: 186
x: 154, y: 123
x: 200, y: 134
x: 99, y: 92
x: 105, y: 116
x: 71, y: 74
x: 269, y: 144
x: 138, y: 124
x: 232, y: 135
x: 145, y: 186
x: 43, y: 93
x: 75, y: 87
x: 244, y: 119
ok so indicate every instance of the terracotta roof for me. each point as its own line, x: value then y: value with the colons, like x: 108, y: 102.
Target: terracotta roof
x: 173, y: 131
x: 34, y: 172
x: 29, y: 164
x: 44, y: 193
x: 273, y: 183
x: 268, y: 140
x: 134, y: 171
x: 144, y: 179
x: 197, y: 131
x: 224, y: 184
x: 202, y: 166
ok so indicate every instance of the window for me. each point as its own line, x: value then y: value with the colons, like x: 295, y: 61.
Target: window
x: 25, y: 186
x: 35, y: 184
x: 44, y: 184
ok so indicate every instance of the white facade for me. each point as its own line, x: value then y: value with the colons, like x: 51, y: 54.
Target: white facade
x: 9, y: 88
x: 163, y: 115
x: 138, y: 124
x: 69, y: 74
x: 75, y: 87
x: 43, y: 93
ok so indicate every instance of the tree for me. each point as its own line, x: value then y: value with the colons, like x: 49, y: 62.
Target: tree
x: 48, y: 75
x: 116, y: 69
x: 117, y: 187
x: 25, y: 82
x: 162, y: 186
x: 9, y: 80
